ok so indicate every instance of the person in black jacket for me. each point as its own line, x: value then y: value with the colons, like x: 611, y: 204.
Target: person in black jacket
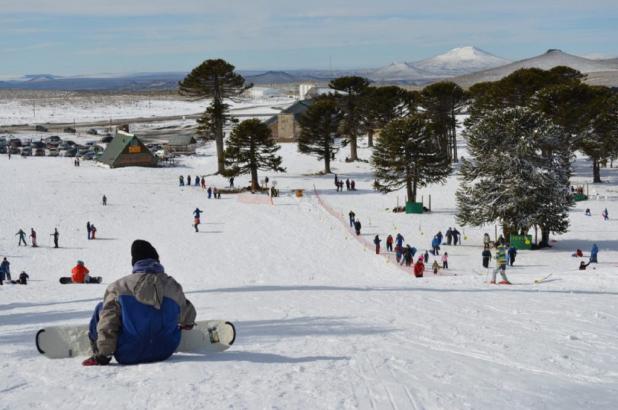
x: 486, y: 257
x: 357, y: 226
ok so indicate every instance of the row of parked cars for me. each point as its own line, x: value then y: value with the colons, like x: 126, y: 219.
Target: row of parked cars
x: 52, y: 147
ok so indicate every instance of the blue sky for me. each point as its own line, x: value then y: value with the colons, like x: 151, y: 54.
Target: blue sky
x: 69, y: 37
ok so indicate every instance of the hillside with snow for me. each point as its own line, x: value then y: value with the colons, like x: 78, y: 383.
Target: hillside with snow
x: 606, y: 71
x: 323, y: 322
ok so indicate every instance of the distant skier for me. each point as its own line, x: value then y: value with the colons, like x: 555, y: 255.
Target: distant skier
x: 500, y: 266
x: 456, y: 235
x: 196, y: 218
x: 605, y: 214
x: 203, y: 182
x: 188, y: 180
x: 357, y: 227
x: 266, y: 181
x: 209, y: 191
x: 512, y: 254
x: 399, y: 239
x: 389, y: 243
x: 215, y: 192
x: 351, y: 215
x: 449, y: 236
x: 435, y: 245
x: 23, y: 279
x: 22, y: 237
x: 419, y: 268
x: 181, y: 181
x: 426, y: 256
x: 104, y: 200
x: 231, y: 182
x: 5, y: 270
x: 486, y: 257
x: 347, y: 184
x: 33, y: 237
x: 80, y: 273
x: 445, y: 260
x: 89, y: 229
x: 588, y: 213
x: 353, y: 185
x: 594, y: 252
x: 435, y: 266
x: 197, y: 180
x: 56, y: 235
x: 149, y: 303
x: 376, y: 242
x: 93, y: 231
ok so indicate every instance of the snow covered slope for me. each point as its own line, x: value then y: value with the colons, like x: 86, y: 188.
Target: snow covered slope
x: 400, y: 72
x: 550, y: 59
x: 459, y: 61
x: 323, y: 322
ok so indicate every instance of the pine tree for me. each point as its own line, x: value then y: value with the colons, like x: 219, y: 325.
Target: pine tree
x: 380, y: 105
x: 406, y: 155
x: 319, y: 126
x: 353, y: 87
x: 518, y: 175
x: 214, y: 79
x: 443, y: 101
x: 250, y: 148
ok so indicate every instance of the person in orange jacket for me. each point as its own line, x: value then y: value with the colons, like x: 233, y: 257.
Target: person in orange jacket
x: 79, y: 274
x: 419, y: 268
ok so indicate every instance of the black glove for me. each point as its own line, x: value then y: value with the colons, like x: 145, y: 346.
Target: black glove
x: 97, y: 360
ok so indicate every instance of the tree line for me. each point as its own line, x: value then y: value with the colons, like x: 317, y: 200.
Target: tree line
x: 522, y: 133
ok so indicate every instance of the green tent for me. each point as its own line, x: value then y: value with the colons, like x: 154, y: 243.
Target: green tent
x: 126, y: 150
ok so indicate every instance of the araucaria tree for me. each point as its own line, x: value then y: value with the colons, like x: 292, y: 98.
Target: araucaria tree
x: 407, y: 155
x: 518, y: 175
x: 250, y: 148
x: 443, y: 101
x: 214, y: 79
x: 319, y: 126
x: 353, y: 88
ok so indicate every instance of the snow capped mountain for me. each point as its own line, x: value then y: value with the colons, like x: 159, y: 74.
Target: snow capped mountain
x: 546, y: 61
x: 399, y: 72
x: 458, y: 61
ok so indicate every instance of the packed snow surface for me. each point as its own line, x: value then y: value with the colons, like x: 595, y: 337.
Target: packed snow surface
x: 323, y: 322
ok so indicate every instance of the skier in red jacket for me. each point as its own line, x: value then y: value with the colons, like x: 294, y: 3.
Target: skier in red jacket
x: 419, y: 268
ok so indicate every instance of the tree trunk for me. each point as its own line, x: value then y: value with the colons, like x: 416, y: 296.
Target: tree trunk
x: 370, y: 137
x: 327, y: 162
x: 454, y: 142
x: 220, y: 150
x: 544, y: 238
x: 506, y: 232
x: 353, y: 148
x: 596, y: 172
x: 254, y: 179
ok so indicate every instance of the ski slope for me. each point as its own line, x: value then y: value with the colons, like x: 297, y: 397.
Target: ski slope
x: 322, y: 321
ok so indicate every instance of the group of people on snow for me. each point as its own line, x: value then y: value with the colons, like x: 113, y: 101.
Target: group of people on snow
x: 92, y: 230
x: 604, y: 213
x: 212, y: 192
x: 5, y: 274
x: 350, y: 184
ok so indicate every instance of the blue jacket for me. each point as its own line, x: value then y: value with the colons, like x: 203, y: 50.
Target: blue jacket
x: 435, y: 243
x: 399, y: 239
x: 5, y: 267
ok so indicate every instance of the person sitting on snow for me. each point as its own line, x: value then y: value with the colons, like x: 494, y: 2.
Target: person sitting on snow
x: 142, y: 314
x: 588, y: 213
x: 578, y: 253
x: 80, y: 273
x: 583, y: 265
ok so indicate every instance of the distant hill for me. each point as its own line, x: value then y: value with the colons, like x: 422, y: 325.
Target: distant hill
x: 605, y: 72
x: 454, y: 62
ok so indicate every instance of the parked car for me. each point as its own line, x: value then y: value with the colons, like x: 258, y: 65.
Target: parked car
x: 53, y: 139
x: 107, y: 139
x: 70, y: 130
x: 70, y: 153
x: 52, y: 152
x: 40, y: 128
x: 39, y: 152
x: 26, y: 152
x: 14, y: 150
x: 69, y: 142
x: 92, y: 131
x: 88, y: 155
x: 3, y: 149
x: 15, y: 142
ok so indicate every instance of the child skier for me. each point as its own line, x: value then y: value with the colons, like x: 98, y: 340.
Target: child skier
x: 196, y: 218
x: 445, y: 260
x: 500, y: 266
x: 376, y: 242
x: 389, y: 243
x: 419, y: 267
x: 435, y: 266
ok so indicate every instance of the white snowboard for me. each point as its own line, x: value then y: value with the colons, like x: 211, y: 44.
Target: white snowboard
x: 207, y: 336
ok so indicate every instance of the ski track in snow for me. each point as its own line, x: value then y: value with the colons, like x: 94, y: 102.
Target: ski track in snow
x: 322, y: 321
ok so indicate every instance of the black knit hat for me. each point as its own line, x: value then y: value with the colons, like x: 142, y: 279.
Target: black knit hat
x: 141, y: 249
